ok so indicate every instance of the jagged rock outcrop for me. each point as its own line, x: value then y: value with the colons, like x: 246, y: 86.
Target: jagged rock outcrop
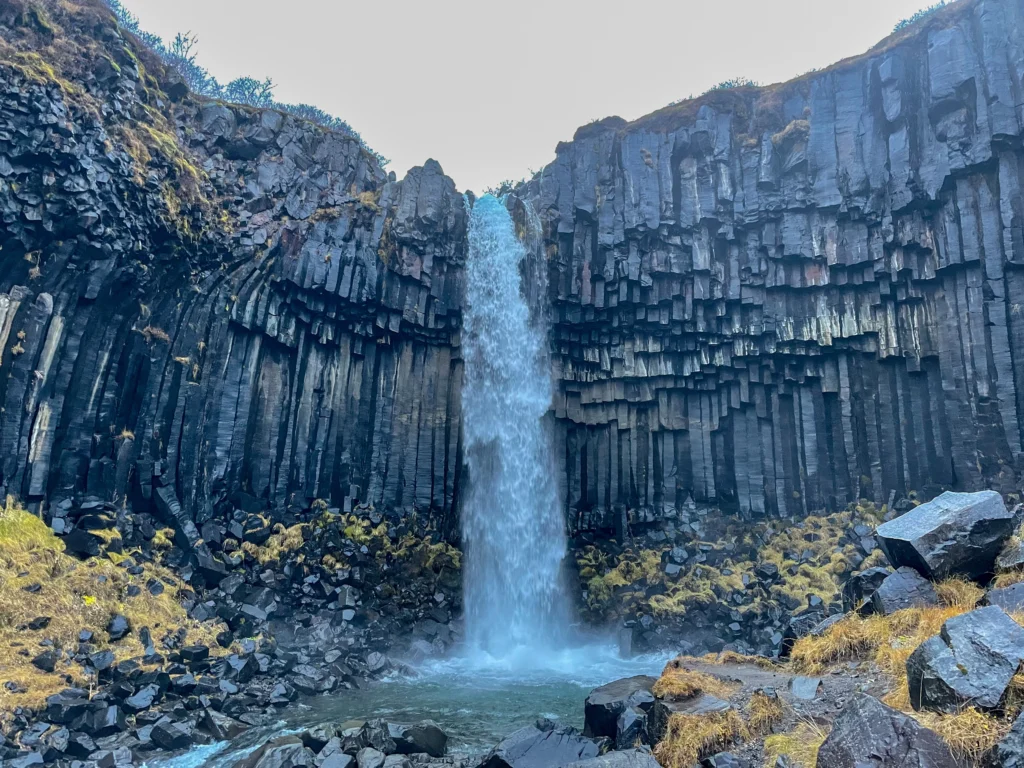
x: 787, y: 298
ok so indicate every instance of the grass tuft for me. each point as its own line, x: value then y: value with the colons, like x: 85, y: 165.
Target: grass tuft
x: 970, y: 734
x: 764, y: 712
x: 679, y: 682
x: 692, y: 737
x: 799, y: 746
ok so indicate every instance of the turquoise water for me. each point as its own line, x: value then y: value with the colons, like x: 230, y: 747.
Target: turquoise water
x: 477, y: 700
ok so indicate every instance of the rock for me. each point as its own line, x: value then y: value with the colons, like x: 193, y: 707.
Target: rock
x: 954, y: 534
x: 338, y: 760
x: 368, y: 757
x: 629, y: 758
x: 287, y: 756
x: 869, y: 734
x: 118, y: 628
x: 605, y: 704
x: 46, y: 661
x: 969, y: 663
x: 423, y: 737
x: 145, y: 698
x: 104, y: 721
x: 903, y: 589
x: 66, y: 709
x: 535, y: 747
x: 662, y: 711
x: 804, y: 688
x: 170, y: 736
x: 1009, y: 598
x: 631, y: 728
x: 221, y: 727
x: 1009, y: 753
x: 859, y: 588
x: 723, y: 760
x: 373, y: 733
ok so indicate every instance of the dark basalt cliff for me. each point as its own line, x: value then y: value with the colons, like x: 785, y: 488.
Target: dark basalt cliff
x: 787, y: 298
x: 200, y: 299
x: 776, y: 299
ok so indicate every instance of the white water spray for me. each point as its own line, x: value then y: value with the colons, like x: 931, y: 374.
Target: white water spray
x: 512, y: 523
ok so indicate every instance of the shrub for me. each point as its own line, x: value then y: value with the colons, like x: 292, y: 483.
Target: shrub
x: 800, y: 745
x: 692, y: 737
x: 923, y: 13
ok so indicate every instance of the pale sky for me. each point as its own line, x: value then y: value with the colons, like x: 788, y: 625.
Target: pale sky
x: 488, y: 87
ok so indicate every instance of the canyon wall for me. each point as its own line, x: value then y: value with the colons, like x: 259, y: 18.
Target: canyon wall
x: 770, y: 299
x: 200, y: 300
x: 787, y: 298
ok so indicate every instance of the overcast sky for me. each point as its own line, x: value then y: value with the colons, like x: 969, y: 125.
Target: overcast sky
x: 488, y: 87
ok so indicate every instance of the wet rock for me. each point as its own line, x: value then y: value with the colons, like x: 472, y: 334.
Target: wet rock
x: 368, y: 757
x: 423, y: 737
x: 868, y: 733
x: 221, y: 727
x: 170, y: 736
x: 605, y: 704
x: 373, y: 733
x: 859, y: 588
x: 541, y: 747
x: 969, y: 663
x: 905, y: 588
x: 631, y: 728
x: 955, y: 533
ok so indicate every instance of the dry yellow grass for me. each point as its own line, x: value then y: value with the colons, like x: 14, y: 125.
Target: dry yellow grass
x: 75, y: 595
x: 281, y: 542
x: 970, y: 734
x: 764, y: 712
x: 692, y: 737
x: 800, y: 746
x: 679, y: 682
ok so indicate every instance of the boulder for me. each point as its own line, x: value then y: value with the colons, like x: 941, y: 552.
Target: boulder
x: 170, y: 736
x: 631, y: 728
x: 425, y: 737
x: 969, y: 663
x: 221, y: 727
x: 858, y: 589
x: 283, y: 752
x: 541, y: 746
x: 373, y: 733
x: 1009, y: 753
x: 723, y: 760
x: 604, y: 705
x: 956, y: 533
x: 627, y: 758
x: 905, y: 588
x: 1009, y: 598
x: 662, y: 711
x: 868, y: 734
x: 368, y: 757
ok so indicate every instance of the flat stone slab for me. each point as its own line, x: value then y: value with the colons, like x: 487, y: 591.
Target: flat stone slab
x: 804, y: 688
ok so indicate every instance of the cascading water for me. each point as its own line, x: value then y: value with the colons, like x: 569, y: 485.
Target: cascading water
x: 512, y: 523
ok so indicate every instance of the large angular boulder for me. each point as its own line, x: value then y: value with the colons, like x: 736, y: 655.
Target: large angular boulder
x: 956, y: 533
x: 604, y: 705
x: 283, y: 752
x: 905, y: 588
x: 541, y: 746
x: 969, y: 663
x: 868, y: 734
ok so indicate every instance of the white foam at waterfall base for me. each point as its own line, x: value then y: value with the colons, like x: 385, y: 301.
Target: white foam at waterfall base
x: 512, y: 526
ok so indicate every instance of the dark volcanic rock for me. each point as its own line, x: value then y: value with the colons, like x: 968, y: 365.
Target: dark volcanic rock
x: 605, y: 704
x: 869, y: 734
x: 629, y: 758
x: 956, y: 533
x: 423, y: 737
x: 861, y: 586
x: 970, y: 663
x: 905, y: 588
x: 1009, y: 598
x: 1009, y: 753
x: 541, y: 747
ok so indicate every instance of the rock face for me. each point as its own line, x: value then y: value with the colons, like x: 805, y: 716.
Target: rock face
x: 970, y: 663
x: 541, y: 746
x: 786, y: 299
x: 605, y: 705
x: 776, y: 300
x: 868, y: 733
x: 956, y: 533
x: 905, y: 588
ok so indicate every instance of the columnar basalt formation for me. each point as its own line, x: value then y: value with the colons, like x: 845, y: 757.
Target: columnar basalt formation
x: 775, y: 299
x: 199, y: 299
x: 787, y: 298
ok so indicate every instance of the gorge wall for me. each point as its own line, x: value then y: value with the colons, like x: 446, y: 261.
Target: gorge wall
x: 784, y: 299
x: 771, y: 299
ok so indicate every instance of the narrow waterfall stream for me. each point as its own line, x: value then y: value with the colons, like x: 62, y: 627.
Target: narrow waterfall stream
x: 513, y: 531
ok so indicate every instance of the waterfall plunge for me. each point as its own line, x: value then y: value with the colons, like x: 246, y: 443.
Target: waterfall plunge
x: 512, y: 523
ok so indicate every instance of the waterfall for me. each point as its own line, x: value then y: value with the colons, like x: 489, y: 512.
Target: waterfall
x: 512, y: 525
